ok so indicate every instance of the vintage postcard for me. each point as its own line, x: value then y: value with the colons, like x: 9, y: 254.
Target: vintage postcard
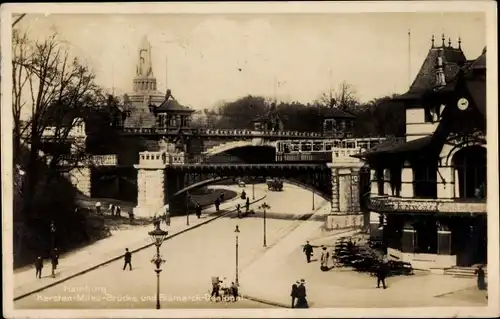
x: 271, y: 159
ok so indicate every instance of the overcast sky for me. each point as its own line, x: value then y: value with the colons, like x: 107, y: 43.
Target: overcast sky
x: 206, y: 52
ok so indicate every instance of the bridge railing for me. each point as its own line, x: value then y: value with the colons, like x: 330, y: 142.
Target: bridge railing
x: 304, y: 157
x: 223, y: 132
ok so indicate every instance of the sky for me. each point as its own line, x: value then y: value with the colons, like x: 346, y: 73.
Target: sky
x: 207, y: 58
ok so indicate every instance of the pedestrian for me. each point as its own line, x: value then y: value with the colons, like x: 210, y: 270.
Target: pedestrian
x: 39, y: 266
x: 234, y: 291
x: 481, y: 283
x: 215, y: 288
x: 110, y: 209
x: 128, y: 259
x: 54, y: 259
x: 308, y: 250
x: 247, y: 204
x: 302, y: 295
x: 217, y: 204
x: 166, y: 217
x: 293, y: 294
x: 198, y: 210
x: 221, y: 197
x: 243, y: 195
x: 324, y: 259
x: 118, y: 211
x: 238, y: 209
x: 98, y: 208
x: 381, y: 274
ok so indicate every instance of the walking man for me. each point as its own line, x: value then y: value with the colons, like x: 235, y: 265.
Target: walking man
x: 215, y: 289
x: 238, y: 209
x: 293, y: 294
x: 166, y: 217
x: 118, y: 211
x: 198, y: 210
x: 128, y: 259
x: 217, y: 204
x: 301, y: 295
x: 308, y: 250
x: 54, y: 258
x: 247, y: 204
x: 234, y: 291
x: 98, y: 208
x: 381, y: 274
x: 38, y: 266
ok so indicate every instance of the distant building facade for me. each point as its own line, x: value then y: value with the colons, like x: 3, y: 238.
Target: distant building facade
x: 428, y: 192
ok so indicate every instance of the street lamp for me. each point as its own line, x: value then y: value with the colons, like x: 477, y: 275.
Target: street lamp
x: 253, y: 188
x: 264, y: 207
x: 237, y: 232
x: 313, y: 199
x: 187, y: 208
x: 52, y: 235
x: 158, y: 236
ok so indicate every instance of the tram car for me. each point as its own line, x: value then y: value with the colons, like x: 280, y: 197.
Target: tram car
x: 274, y: 185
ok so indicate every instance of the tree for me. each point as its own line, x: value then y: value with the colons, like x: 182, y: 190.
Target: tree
x: 55, y: 93
x: 344, y: 98
x: 240, y: 113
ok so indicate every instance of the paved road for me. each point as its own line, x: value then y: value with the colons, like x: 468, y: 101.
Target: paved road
x: 192, y: 258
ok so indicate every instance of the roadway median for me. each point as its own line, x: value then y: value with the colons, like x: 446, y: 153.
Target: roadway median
x: 37, y: 285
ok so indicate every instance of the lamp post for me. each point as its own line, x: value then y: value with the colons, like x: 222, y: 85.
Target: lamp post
x: 237, y: 232
x: 313, y: 199
x: 253, y: 188
x: 187, y: 208
x: 52, y: 236
x: 158, y: 236
x: 264, y: 207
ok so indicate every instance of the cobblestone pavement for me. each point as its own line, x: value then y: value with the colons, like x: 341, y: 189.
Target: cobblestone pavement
x: 24, y: 280
x: 192, y: 259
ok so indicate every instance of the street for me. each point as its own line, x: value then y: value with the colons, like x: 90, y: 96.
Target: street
x: 191, y: 260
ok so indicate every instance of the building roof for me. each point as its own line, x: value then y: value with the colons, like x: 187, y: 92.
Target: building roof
x: 172, y: 105
x: 338, y: 113
x: 397, y: 146
x: 453, y: 60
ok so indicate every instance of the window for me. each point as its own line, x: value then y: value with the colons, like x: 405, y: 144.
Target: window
x: 424, y: 180
x: 470, y: 172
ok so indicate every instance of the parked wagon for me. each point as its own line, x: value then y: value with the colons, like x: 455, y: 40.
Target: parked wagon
x: 274, y: 185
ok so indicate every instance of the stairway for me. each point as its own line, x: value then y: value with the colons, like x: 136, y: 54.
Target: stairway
x: 463, y: 272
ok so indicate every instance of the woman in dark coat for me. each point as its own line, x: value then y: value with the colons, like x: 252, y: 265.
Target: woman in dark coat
x: 481, y: 283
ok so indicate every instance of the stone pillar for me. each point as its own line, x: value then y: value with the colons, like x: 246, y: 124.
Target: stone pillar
x: 345, y: 208
x: 80, y: 178
x: 407, y: 182
x: 445, y: 186
x: 150, y: 184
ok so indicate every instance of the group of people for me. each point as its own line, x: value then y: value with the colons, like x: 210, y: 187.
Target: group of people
x: 218, y: 285
x: 114, y: 210
x: 298, y: 294
x: 247, y: 208
x: 54, y: 260
x: 381, y: 269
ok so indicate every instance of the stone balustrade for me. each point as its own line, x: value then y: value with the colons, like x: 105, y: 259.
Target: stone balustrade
x: 152, y: 159
x: 404, y: 205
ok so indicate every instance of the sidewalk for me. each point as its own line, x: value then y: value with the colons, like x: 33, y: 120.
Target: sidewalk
x: 110, y: 249
x: 269, y: 280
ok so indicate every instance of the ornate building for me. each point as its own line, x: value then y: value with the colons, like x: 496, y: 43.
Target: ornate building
x: 428, y: 192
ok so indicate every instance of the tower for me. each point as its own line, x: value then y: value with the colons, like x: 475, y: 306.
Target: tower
x: 144, y: 91
x: 144, y: 80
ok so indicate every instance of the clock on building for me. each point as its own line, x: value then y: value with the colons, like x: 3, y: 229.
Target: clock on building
x: 463, y: 104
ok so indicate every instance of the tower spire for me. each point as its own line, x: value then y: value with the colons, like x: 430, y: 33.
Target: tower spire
x: 144, y: 65
x: 449, y: 42
x: 432, y: 41
x: 442, y: 40
x: 459, y: 43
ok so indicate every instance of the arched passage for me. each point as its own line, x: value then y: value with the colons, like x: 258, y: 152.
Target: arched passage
x: 469, y: 164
